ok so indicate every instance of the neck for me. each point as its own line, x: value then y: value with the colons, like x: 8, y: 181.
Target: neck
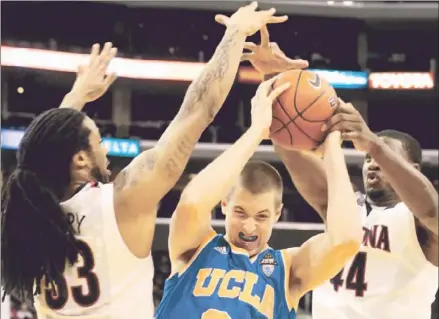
x: 71, y: 190
x: 386, y: 200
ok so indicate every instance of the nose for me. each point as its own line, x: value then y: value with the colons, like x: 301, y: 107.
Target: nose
x: 372, y: 165
x: 249, y: 227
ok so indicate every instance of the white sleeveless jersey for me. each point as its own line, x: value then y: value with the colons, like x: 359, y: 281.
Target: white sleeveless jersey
x: 389, y: 278
x: 108, y: 282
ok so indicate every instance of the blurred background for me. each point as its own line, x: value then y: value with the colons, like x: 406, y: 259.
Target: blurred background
x: 379, y: 55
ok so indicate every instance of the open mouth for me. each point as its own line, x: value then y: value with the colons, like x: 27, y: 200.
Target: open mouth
x: 372, y: 177
x: 247, y: 239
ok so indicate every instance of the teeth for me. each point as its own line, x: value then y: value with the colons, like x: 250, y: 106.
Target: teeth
x: 247, y: 238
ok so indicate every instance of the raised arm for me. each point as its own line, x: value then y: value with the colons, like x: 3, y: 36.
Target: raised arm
x: 305, y: 168
x: 411, y: 186
x: 307, y: 171
x: 324, y: 255
x: 141, y: 185
x: 191, y: 221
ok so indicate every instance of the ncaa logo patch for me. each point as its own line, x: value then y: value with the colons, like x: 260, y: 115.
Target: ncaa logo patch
x: 267, y: 270
x: 268, y: 263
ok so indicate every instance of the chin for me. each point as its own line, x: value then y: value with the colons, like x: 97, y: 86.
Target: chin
x: 375, y: 193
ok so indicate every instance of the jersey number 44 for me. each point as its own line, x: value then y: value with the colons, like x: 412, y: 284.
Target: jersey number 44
x: 355, y: 276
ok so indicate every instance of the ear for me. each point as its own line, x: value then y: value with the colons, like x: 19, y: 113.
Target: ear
x: 417, y: 166
x: 80, y: 160
x: 224, y: 207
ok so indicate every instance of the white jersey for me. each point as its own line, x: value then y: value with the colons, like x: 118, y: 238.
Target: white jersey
x: 108, y: 282
x: 389, y: 278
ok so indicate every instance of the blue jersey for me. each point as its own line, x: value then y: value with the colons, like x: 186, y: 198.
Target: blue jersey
x: 222, y: 282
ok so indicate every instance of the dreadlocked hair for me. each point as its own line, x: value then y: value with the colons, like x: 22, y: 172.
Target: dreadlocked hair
x: 37, y: 240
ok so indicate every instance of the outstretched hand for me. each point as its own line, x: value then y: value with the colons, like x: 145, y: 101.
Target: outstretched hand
x: 268, y: 58
x: 91, y: 81
x: 248, y: 20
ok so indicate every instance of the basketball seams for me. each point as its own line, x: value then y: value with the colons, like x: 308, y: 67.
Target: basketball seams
x: 299, y: 113
x: 305, y: 109
x: 292, y: 121
x: 295, y: 96
x: 282, y: 127
x: 311, y: 104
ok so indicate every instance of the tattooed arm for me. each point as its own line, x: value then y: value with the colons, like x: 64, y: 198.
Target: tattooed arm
x: 140, y: 186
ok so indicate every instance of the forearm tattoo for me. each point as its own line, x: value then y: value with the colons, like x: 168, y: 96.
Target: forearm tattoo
x: 206, y: 94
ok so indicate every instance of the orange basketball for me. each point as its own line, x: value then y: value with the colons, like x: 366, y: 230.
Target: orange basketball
x: 298, y: 114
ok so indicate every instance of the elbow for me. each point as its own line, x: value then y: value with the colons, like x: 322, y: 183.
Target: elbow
x: 191, y: 199
x: 188, y: 198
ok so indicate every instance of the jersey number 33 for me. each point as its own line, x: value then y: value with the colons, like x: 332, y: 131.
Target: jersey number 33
x: 84, y: 295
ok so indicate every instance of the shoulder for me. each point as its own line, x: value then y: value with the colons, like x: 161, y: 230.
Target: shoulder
x: 86, y: 194
x: 288, y: 255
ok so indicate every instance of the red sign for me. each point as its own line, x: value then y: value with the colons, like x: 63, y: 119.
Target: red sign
x: 401, y: 81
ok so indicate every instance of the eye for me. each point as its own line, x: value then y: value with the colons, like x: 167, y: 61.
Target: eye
x: 239, y: 213
x: 367, y: 158
x: 262, y: 217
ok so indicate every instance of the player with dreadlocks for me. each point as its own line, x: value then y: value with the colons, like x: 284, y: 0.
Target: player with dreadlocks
x: 59, y: 152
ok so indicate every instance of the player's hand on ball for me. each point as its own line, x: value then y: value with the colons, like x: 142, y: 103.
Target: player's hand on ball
x: 352, y: 126
x: 248, y: 20
x: 91, y: 81
x: 268, y: 58
x: 262, y: 105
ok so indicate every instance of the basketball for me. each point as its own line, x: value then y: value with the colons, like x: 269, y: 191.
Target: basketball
x: 298, y: 114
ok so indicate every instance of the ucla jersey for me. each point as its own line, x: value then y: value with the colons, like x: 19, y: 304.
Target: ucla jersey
x: 222, y: 282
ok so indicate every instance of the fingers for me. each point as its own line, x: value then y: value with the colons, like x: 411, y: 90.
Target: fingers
x: 109, y: 57
x: 344, y: 107
x: 350, y: 136
x: 250, y: 46
x: 265, y: 87
x: 94, y: 53
x: 106, y: 49
x: 253, y: 5
x: 279, y: 90
x: 246, y: 56
x: 280, y: 19
x: 110, y: 79
x: 222, y: 19
x: 265, y: 37
x: 342, y: 122
x: 267, y: 84
x: 102, y: 60
x: 298, y: 64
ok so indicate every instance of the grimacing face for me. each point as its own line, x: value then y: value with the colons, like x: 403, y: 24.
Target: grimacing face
x: 92, y: 165
x: 376, y: 184
x: 250, y: 218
